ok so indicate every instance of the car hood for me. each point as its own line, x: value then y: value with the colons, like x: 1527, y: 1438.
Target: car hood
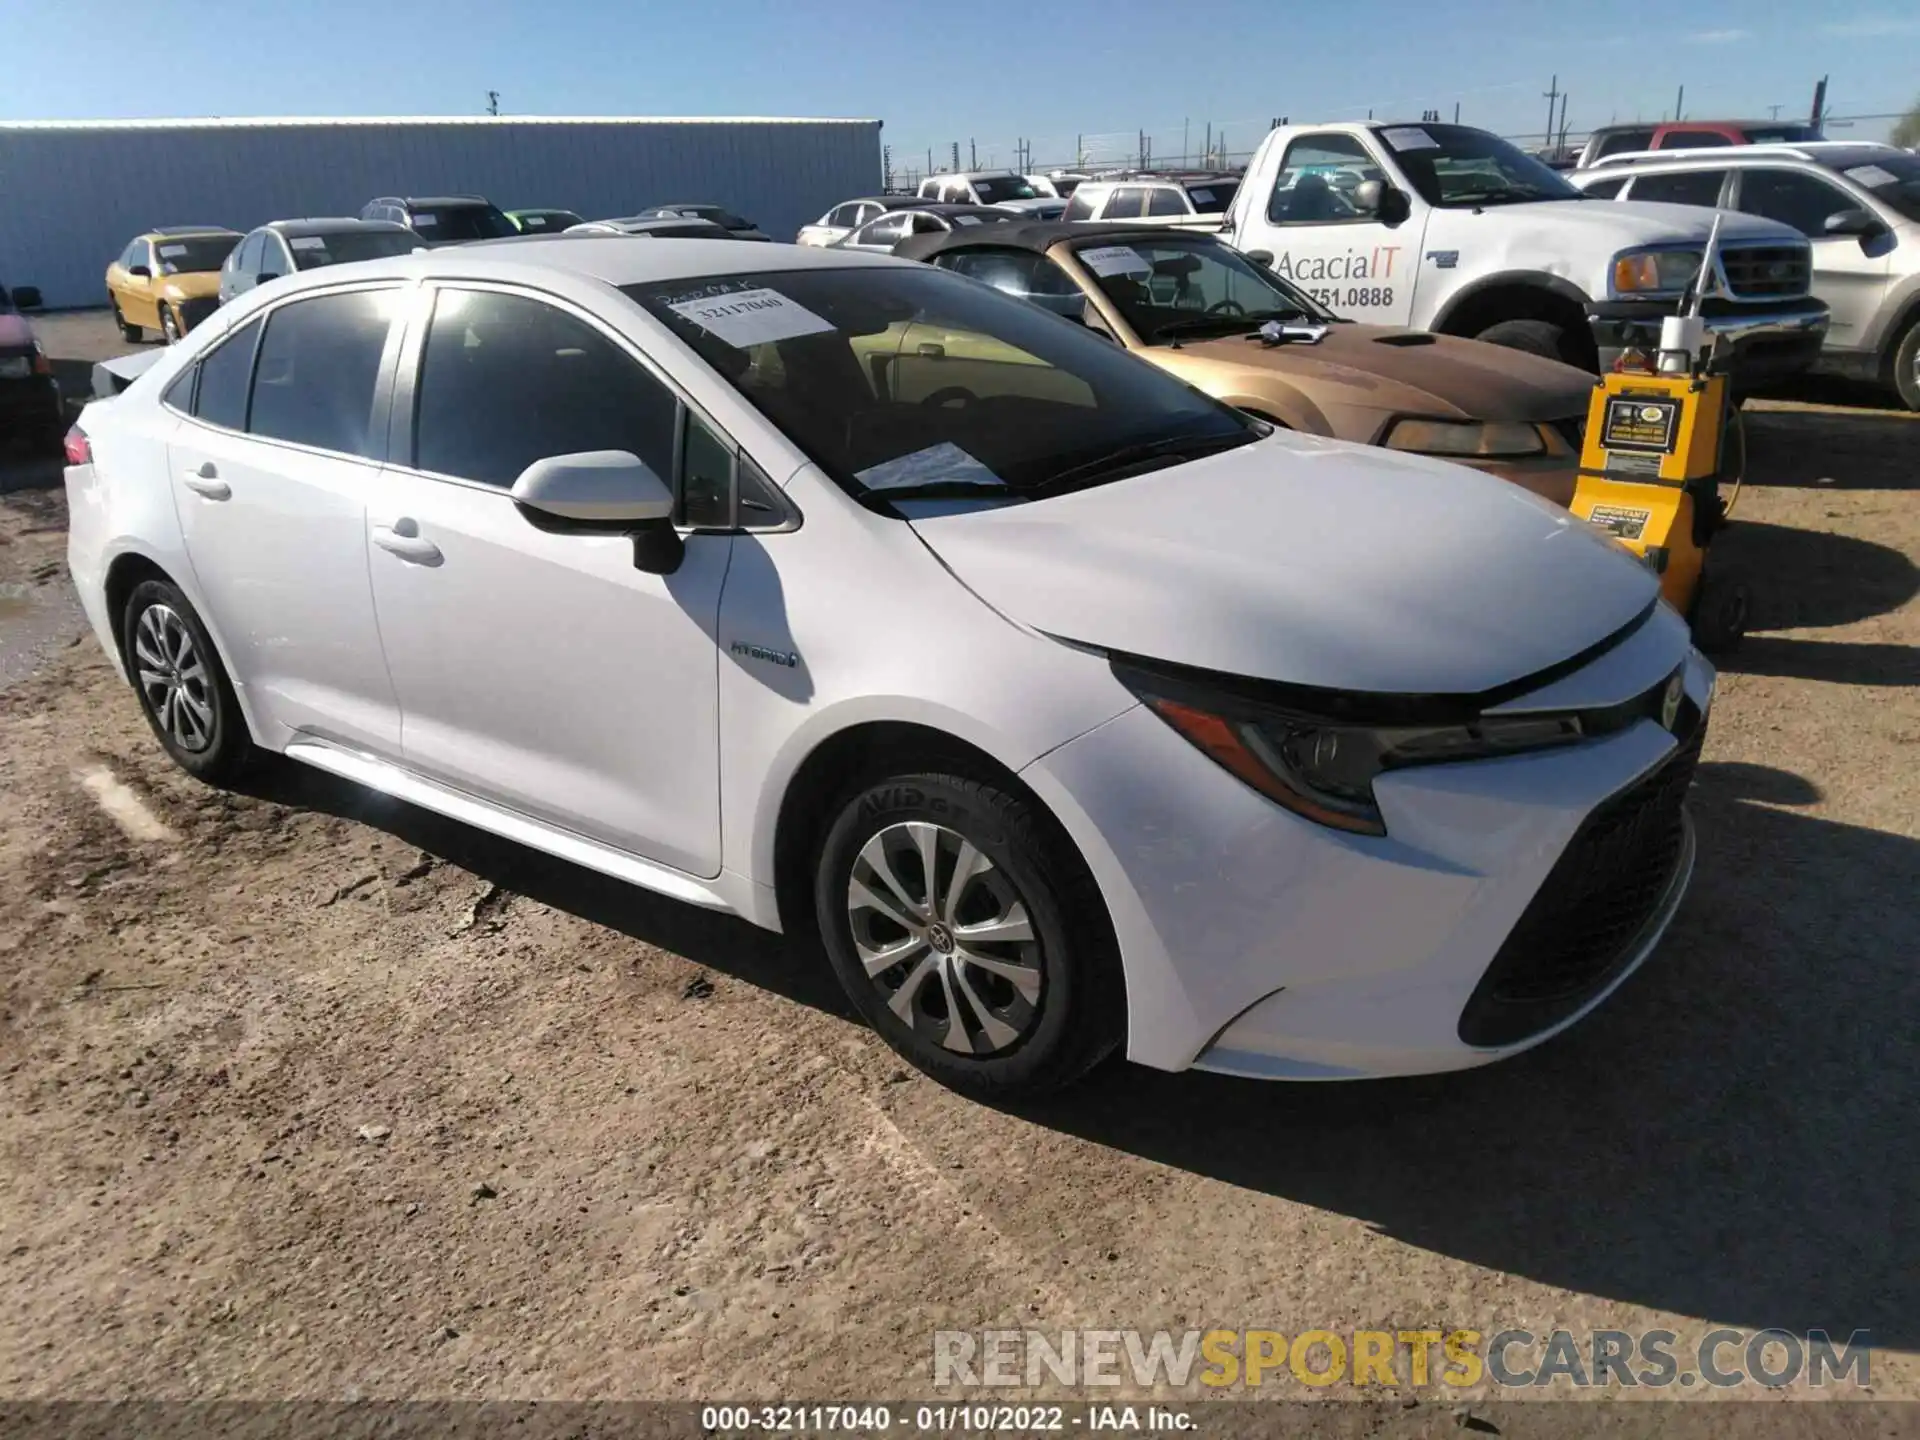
x: 194, y: 285
x: 1310, y: 562
x: 1646, y: 222
x: 1384, y: 368
x: 15, y: 333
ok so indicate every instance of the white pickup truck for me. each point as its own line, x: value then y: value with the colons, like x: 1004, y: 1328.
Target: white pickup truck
x: 1449, y: 228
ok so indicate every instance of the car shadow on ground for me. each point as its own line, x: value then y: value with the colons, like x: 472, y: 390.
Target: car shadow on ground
x: 1832, y: 450
x: 1720, y: 1140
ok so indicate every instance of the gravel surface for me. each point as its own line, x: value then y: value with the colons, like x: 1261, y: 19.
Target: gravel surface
x: 304, y: 1093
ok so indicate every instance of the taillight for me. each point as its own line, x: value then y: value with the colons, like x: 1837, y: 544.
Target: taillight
x: 79, y: 448
x: 41, y: 365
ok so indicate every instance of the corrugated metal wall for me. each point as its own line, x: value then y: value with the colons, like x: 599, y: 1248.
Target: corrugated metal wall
x: 71, y: 197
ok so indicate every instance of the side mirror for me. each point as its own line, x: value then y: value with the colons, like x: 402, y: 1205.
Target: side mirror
x: 603, y: 492
x: 1260, y: 257
x: 140, y: 272
x: 1382, y: 201
x: 1851, y: 221
x: 26, y: 297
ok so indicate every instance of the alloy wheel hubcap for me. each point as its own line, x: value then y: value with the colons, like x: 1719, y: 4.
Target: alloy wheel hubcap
x: 172, y: 678
x: 945, y: 937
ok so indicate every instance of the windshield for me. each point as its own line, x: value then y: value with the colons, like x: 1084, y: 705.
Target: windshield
x: 1456, y: 166
x: 1190, y: 287
x: 1212, y: 197
x: 194, y: 254
x: 901, y: 379
x: 1781, y: 134
x: 534, y: 221
x: 461, y: 222
x: 992, y: 189
x: 310, y: 252
x: 1892, y: 178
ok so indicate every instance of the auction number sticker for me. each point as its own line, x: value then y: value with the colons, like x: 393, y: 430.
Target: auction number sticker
x: 1646, y: 426
x: 1620, y: 521
x: 308, y: 242
x: 1409, y: 137
x: 172, y: 252
x: 1115, y: 260
x: 745, y: 318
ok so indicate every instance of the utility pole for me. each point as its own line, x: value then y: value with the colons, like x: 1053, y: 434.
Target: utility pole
x: 1773, y: 112
x: 493, y: 102
x: 1553, y: 98
x: 1209, y: 159
x: 1561, y: 140
x: 1819, y: 113
x: 956, y: 155
x: 886, y: 167
x: 973, y: 156
x: 1185, y: 158
x: 929, y: 159
x: 1456, y: 112
x: 1680, y: 105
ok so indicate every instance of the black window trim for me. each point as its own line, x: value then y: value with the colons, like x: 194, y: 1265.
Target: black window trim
x: 378, y: 418
x: 1668, y: 172
x: 1389, y: 172
x: 403, y: 412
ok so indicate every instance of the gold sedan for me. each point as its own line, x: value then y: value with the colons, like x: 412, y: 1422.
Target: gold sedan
x: 168, y: 280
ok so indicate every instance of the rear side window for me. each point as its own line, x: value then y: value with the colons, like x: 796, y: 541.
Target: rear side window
x: 1129, y: 202
x: 1624, y: 141
x: 1695, y: 187
x: 1691, y: 140
x: 1165, y: 202
x: 221, y: 397
x: 1080, y: 207
x: 319, y: 364
x: 506, y: 380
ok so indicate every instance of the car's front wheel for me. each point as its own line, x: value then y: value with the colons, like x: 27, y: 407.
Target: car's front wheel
x: 170, y: 325
x: 969, y: 934
x: 183, y: 688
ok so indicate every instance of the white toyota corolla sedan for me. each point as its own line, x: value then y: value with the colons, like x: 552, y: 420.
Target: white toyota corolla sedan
x: 1073, y: 710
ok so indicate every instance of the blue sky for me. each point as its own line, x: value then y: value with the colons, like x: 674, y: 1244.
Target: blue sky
x: 990, y: 71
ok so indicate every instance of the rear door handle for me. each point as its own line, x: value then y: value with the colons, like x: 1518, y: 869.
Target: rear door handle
x: 206, y: 481
x: 403, y: 538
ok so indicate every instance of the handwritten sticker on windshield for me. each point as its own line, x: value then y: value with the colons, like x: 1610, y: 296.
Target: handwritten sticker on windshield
x: 1201, y: 197
x: 967, y: 219
x: 1115, y: 260
x: 308, y: 242
x: 1409, y: 137
x: 1871, y: 176
x: 751, y: 317
x: 937, y: 464
x: 172, y: 252
x: 422, y: 217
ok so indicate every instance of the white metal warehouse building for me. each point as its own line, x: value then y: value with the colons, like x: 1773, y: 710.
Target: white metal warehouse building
x: 72, y: 193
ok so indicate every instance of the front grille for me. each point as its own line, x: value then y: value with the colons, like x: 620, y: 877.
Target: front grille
x: 1587, y: 919
x: 1767, y: 272
x: 192, y: 312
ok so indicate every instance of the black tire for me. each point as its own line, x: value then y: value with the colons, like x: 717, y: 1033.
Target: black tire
x: 171, y: 330
x: 1066, y: 1011
x: 1906, y: 366
x: 202, y: 692
x: 1719, y: 616
x: 127, y: 332
x: 1536, y: 337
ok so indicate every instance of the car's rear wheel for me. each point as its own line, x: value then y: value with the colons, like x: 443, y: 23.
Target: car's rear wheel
x: 183, y: 688
x: 969, y: 934
x: 1906, y: 367
x: 127, y: 332
x: 170, y: 327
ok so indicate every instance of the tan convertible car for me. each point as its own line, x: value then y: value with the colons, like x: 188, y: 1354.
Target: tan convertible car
x: 1200, y: 309
x: 168, y: 279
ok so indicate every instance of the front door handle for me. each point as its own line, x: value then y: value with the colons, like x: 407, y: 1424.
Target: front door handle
x: 403, y: 538
x: 205, y: 480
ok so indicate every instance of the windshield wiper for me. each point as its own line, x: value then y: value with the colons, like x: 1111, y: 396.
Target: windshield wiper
x: 1251, y: 321
x: 1500, y: 195
x: 939, y: 490
x: 1175, y: 448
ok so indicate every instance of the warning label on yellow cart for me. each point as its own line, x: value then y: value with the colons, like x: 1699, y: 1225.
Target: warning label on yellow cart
x: 1646, y: 426
x: 1620, y: 521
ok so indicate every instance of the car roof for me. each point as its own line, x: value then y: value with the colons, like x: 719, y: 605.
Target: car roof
x: 442, y: 202
x: 333, y: 225
x: 1832, y: 154
x: 177, y: 232
x: 1041, y: 236
x: 543, y: 210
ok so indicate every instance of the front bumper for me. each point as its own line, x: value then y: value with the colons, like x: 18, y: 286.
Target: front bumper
x: 1256, y: 943
x: 1770, y: 339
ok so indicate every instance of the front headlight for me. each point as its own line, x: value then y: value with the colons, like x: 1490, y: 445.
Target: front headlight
x: 1324, y: 769
x: 1640, y: 273
x: 1492, y: 441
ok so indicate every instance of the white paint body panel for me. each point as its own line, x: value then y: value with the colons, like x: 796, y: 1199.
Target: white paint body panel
x: 650, y: 727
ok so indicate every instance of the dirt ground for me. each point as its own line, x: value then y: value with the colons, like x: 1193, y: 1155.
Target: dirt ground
x: 304, y: 1093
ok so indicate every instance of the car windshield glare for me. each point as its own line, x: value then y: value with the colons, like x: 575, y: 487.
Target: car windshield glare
x: 992, y: 189
x: 1458, y: 166
x: 907, y: 377
x: 462, y: 222
x: 339, y: 247
x: 1893, y: 179
x: 193, y: 254
x: 1185, y: 285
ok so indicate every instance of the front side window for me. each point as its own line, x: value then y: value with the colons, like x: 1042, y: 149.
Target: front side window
x: 318, y: 367
x: 1458, y: 167
x: 992, y: 189
x: 1214, y: 197
x: 246, y: 260
x: 1317, y: 176
x: 193, y: 254
x: 1129, y: 202
x: 1080, y: 207
x: 1165, y: 201
x: 506, y: 380
x: 134, y: 254
x: 1793, y: 198
x: 446, y: 223
x: 907, y: 380
x: 1693, y: 187
x: 272, y: 259
x: 225, y: 374
x: 1189, y: 287
x: 887, y: 230
x: 844, y: 217
x: 706, y: 477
